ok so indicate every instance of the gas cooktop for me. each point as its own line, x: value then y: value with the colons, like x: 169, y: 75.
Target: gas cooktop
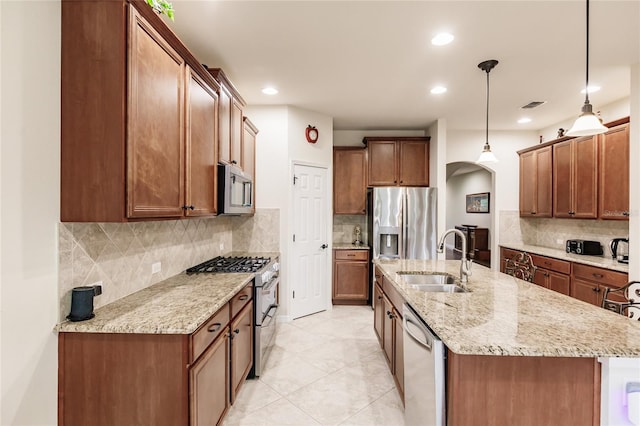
x: 230, y: 264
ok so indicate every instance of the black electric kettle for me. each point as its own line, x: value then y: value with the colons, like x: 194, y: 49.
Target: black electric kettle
x: 620, y: 249
x: 82, y: 302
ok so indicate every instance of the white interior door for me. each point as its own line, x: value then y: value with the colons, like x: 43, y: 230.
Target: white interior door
x: 310, y: 282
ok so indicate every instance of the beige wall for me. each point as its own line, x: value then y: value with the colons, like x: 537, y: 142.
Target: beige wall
x: 30, y: 128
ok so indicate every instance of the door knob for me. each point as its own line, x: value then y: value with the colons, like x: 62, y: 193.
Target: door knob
x: 324, y: 246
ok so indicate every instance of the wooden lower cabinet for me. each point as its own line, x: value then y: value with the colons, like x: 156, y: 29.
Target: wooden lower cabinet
x: 387, y: 308
x: 523, y: 391
x: 552, y: 280
x: 209, y: 384
x: 350, y: 277
x: 241, y: 348
x: 107, y: 379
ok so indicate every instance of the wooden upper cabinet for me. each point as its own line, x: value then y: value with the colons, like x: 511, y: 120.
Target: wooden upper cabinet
x: 201, y: 134
x: 414, y: 164
x: 155, y: 178
x: 575, y: 178
x: 224, y: 122
x: 249, y: 148
x: 398, y: 161
x: 230, y: 119
x: 349, y: 180
x: 130, y: 90
x: 383, y: 167
x: 536, y: 183
x: 614, y: 173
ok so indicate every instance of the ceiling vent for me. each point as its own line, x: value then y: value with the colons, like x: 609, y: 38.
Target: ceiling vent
x: 533, y: 104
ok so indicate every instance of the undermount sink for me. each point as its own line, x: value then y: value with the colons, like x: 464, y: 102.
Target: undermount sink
x: 435, y: 282
x: 439, y: 288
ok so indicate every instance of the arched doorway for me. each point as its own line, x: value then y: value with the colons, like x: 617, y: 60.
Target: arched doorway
x: 466, y: 208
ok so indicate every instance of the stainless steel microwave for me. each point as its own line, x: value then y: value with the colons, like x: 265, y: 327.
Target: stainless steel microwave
x: 235, y: 190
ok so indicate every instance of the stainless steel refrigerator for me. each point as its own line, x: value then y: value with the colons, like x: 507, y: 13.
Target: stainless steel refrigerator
x: 402, y: 222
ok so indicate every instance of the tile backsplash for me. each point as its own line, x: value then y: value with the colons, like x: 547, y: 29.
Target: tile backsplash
x: 553, y: 233
x: 121, y: 255
x: 343, y: 227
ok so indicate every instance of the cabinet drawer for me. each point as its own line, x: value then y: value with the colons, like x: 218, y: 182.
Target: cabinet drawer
x: 351, y: 255
x: 600, y: 275
x: 551, y: 264
x: 242, y: 298
x: 509, y: 253
x: 208, y: 332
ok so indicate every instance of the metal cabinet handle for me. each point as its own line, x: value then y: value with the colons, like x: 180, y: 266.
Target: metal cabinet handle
x: 547, y: 263
x: 597, y: 275
x: 243, y: 297
x: 214, y: 327
x: 237, y: 331
x: 626, y: 214
x: 595, y: 289
x: 533, y: 212
x: 234, y: 162
x: 351, y: 255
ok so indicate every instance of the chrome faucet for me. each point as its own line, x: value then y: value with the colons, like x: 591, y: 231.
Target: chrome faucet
x: 465, y: 264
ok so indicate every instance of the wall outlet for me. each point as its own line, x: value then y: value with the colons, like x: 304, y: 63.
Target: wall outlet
x: 221, y: 246
x: 156, y: 267
x: 559, y: 241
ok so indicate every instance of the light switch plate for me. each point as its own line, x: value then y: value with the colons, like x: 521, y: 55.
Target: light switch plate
x: 221, y: 246
x: 156, y: 267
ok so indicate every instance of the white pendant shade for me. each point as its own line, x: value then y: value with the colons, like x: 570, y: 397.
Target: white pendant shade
x: 586, y: 125
x: 486, y: 156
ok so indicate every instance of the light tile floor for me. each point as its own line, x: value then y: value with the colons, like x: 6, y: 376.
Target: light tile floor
x: 326, y: 369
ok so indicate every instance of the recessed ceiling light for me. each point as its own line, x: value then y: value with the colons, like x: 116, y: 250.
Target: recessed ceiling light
x: 524, y: 120
x: 441, y: 39
x: 438, y: 90
x: 270, y: 91
x: 592, y: 89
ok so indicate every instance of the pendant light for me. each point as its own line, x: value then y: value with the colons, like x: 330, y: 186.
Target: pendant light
x: 487, y: 156
x: 587, y: 123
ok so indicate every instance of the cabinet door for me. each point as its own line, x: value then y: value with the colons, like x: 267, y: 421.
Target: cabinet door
x: 350, y: 280
x: 201, y: 134
x: 414, y: 163
x: 378, y: 313
x: 209, y: 384
x: 237, y: 129
x: 398, y: 352
x: 614, y: 174
x: 383, y: 168
x: 586, y: 291
x: 349, y: 181
x: 528, y: 184
x: 558, y: 282
x: 241, y: 348
x: 562, y: 179
x: 388, y: 332
x: 224, y: 123
x: 155, y: 175
x: 541, y: 277
x: 544, y: 182
x: 585, y: 183
x: 249, y: 151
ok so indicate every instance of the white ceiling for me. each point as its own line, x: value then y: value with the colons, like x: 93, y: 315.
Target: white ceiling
x: 370, y: 64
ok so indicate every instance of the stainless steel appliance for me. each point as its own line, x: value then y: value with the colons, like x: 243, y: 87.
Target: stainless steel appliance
x: 235, y: 190
x: 265, y: 298
x: 593, y: 248
x: 424, y: 372
x: 619, y: 248
x: 402, y: 222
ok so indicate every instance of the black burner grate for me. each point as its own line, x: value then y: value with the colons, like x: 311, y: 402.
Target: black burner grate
x: 230, y: 264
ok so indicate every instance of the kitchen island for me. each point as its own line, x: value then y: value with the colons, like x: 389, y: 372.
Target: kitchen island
x: 517, y: 353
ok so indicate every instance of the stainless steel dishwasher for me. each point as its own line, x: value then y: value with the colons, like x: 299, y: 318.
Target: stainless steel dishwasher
x: 424, y: 371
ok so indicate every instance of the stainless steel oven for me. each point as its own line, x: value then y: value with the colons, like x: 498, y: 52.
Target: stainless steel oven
x: 266, y: 287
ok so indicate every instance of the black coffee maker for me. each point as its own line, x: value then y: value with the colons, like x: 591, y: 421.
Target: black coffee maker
x: 82, y: 302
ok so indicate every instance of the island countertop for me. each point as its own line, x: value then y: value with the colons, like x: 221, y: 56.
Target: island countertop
x: 503, y: 315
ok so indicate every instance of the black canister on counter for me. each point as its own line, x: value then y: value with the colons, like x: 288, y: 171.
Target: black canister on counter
x: 82, y: 302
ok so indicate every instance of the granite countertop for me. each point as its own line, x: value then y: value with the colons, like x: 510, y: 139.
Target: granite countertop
x: 599, y: 261
x: 177, y: 305
x: 503, y: 315
x: 350, y: 246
